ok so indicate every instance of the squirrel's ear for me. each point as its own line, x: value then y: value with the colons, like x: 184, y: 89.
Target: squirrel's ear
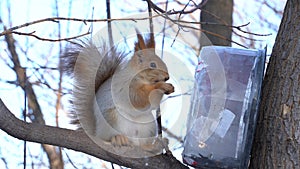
x: 140, y: 44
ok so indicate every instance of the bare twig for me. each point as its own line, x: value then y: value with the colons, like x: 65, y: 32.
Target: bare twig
x: 59, y: 163
x: 69, y: 159
x: 182, y: 23
x: 47, y: 39
x: 248, y: 38
x: 208, y: 32
x: 172, y: 135
x: 5, y: 162
x: 159, y: 10
x: 109, y: 28
x: 57, y: 19
x: 279, y: 12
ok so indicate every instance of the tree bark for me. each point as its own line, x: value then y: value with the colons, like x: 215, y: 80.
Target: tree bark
x: 277, y: 139
x: 216, y: 11
x: 39, y: 133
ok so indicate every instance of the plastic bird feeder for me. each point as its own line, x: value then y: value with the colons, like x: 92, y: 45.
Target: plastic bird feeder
x: 224, y: 107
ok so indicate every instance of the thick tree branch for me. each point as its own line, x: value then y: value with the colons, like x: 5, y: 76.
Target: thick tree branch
x: 70, y: 139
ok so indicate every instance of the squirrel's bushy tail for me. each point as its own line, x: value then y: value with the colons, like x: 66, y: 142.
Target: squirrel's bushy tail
x: 93, y: 58
x: 89, y: 65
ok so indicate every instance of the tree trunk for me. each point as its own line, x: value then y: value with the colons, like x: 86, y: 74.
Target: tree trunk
x: 216, y: 11
x: 277, y: 138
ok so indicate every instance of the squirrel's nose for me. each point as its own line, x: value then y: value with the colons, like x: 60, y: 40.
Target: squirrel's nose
x: 167, y: 78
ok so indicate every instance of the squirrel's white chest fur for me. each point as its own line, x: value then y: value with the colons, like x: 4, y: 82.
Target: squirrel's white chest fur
x: 115, y: 115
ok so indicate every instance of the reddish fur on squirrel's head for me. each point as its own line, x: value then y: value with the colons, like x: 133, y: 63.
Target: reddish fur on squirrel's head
x: 144, y: 54
x: 142, y: 43
x: 148, y: 84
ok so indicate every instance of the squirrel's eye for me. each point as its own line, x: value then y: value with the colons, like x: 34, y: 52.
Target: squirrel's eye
x: 152, y: 65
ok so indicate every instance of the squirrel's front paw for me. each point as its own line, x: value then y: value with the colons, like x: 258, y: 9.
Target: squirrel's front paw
x: 119, y: 140
x: 167, y: 88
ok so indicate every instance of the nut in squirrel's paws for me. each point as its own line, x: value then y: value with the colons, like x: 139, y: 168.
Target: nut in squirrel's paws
x: 120, y: 140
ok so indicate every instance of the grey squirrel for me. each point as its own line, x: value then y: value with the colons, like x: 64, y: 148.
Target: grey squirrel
x: 113, y: 97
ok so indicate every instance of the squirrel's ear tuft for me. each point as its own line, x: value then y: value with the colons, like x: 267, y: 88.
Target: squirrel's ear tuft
x: 150, y: 43
x: 140, y: 44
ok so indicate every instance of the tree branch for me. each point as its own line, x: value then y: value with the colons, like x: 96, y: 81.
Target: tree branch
x: 70, y: 139
x: 48, y: 39
x: 57, y: 19
x: 158, y: 9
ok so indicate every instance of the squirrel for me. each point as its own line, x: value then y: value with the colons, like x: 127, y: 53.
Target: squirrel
x: 113, y: 97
